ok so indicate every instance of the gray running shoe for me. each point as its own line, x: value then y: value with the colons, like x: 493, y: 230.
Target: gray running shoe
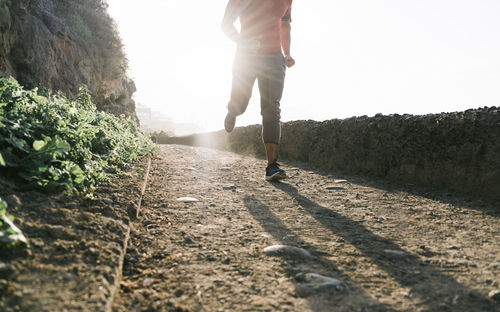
x: 229, y: 122
x: 275, y: 173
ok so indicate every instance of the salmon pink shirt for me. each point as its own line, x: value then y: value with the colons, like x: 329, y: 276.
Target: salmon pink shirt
x: 262, y: 19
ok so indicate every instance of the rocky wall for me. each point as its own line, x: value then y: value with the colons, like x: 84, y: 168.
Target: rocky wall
x: 60, y: 45
x: 459, y: 151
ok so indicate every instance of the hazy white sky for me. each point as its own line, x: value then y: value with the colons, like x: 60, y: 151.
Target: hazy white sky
x: 354, y: 57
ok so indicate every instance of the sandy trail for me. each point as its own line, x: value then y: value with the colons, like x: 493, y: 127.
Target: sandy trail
x: 384, y: 249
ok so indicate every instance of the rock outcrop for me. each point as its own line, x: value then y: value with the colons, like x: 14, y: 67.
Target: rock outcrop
x: 60, y: 45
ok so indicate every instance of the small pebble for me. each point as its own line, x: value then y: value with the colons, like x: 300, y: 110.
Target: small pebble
x: 225, y: 169
x: 187, y: 199
x: 316, y: 283
x: 494, y: 294
x: 340, y: 240
x: 285, y: 250
x: 5, y: 270
x: 179, y: 292
x: 319, y: 279
x: 395, y: 253
x: 188, y: 239
x: 70, y: 277
x: 340, y: 181
x: 147, y: 282
x: 335, y: 188
x: 108, y: 201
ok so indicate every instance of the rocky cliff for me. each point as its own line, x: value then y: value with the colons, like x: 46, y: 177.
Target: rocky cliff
x: 60, y: 45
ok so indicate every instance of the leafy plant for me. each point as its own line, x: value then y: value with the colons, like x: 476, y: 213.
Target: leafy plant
x: 54, y: 143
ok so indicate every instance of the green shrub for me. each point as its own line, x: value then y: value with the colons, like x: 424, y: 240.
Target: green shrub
x: 52, y: 143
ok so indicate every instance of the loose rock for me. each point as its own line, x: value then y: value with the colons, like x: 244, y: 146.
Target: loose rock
x: 494, y: 294
x: 398, y: 254
x: 187, y: 199
x: 316, y: 283
x: 286, y: 251
x: 5, y: 270
x: 335, y: 188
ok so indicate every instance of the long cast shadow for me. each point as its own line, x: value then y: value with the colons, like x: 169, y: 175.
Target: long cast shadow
x: 438, y: 291
x: 454, y: 198
x: 274, y: 226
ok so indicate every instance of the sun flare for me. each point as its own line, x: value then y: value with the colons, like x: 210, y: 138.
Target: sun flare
x: 353, y: 58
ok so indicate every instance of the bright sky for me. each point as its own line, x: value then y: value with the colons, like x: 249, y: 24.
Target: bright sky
x: 354, y: 57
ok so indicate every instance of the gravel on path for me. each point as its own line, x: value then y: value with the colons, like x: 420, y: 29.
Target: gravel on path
x: 214, y: 236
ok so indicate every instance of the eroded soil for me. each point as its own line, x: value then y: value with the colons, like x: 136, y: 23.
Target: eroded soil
x: 391, y: 249
x: 75, y: 247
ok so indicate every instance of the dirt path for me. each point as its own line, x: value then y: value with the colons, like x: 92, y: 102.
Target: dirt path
x: 383, y: 249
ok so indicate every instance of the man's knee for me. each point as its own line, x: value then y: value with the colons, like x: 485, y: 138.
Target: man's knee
x: 237, y: 108
x: 271, y: 113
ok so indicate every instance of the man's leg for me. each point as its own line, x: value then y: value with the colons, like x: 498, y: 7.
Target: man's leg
x: 271, y: 152
x: 271, y: 82
x: 241, y: 90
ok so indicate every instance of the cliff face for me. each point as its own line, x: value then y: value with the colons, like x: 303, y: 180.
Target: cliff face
x: 60, y: 45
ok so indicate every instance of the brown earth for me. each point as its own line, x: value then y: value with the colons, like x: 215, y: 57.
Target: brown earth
x: 388, y: 248
x: 76, y: 246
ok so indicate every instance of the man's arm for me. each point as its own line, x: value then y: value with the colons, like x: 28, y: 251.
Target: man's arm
x: 233, y: 11
x: 230, y: 16
x: 286, y: 40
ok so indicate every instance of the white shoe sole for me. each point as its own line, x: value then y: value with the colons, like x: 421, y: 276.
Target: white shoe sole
x: 276, y: 177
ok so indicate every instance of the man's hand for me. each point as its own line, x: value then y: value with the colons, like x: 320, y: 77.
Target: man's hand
x: 251, y: 45
x: 289, y: 61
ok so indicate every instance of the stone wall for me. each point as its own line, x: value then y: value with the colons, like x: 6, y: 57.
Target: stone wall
x: 458, y: 151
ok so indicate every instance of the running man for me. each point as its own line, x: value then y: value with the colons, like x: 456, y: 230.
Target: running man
x: 262, y: 41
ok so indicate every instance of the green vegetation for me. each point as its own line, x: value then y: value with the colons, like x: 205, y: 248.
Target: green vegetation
x: 52, y: 143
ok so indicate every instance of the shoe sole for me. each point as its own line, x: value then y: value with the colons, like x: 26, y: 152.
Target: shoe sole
x: 277, y: 176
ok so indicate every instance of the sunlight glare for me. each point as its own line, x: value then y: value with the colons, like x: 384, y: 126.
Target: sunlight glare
x: 354, y: 58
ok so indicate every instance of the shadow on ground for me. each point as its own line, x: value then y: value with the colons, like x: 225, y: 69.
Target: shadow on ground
x: 438, y: 291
